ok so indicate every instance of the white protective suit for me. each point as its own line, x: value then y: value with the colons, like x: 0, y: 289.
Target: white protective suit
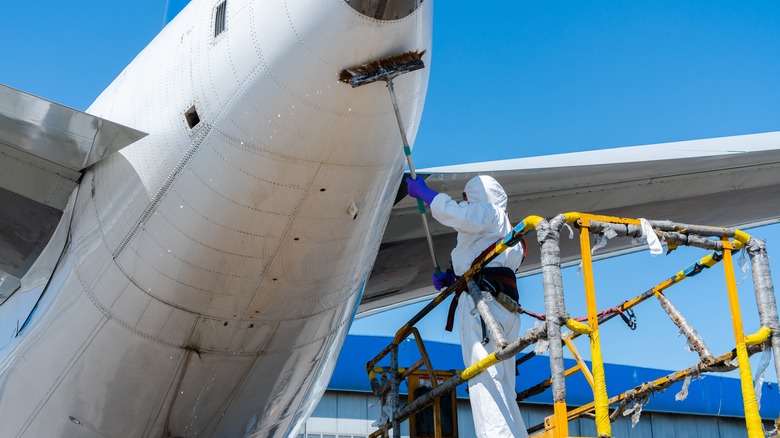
x: 480, y: 222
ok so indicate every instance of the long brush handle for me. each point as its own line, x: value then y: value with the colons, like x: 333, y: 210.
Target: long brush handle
x: 408, y: 153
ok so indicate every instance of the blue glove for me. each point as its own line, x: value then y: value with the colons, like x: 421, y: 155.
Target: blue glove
x: 418, y: 189
x: 443, y: 279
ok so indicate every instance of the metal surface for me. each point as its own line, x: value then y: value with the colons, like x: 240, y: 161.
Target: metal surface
x: 752, y: 417
x: 556, y: 426
x: 59, y: 134
x: 25, y: 228
x: 240, y: 268
x: 692, y: 181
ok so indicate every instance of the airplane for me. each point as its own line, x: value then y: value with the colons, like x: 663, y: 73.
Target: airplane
x: 186, y: 256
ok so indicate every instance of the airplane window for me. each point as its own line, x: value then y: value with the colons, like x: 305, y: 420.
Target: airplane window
x: 385, y: 9
x: 219, y: 18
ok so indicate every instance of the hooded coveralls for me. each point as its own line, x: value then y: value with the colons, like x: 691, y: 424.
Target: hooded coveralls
x: 480, y: 222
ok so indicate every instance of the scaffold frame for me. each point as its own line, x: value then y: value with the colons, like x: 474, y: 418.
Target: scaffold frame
x: 721, y: 241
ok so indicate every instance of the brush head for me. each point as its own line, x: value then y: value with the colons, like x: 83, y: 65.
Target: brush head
x: 382, y: 69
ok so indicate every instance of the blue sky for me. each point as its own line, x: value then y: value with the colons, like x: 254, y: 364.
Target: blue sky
x: 514, y: 79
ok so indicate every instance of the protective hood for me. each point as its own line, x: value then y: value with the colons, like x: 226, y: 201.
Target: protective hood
x: 485, y: 189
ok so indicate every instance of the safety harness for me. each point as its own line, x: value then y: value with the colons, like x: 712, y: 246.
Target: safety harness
x: 501, y: 282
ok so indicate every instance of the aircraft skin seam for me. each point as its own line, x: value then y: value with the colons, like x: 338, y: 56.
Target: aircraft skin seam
x: 155, y: 201
x: 7, y: 158
x: 193, y: 265
x: 260, y: 353
x: 211, y: 291
x: 233, y: 201
x: 313, y: 341
x: 184, y: 202
x: 130, y: 279
x: 110, y: 315
x: 284, y: 238
x: 260, y: 148
x: 45, y: 399
x: 208, y: 291
x: 155, y: 413
x: 250, y: 175
x: 371, y: 167
x: 247, y: 256
x: 266, y: 69
x: 325, y: 305
x: 552, y: 192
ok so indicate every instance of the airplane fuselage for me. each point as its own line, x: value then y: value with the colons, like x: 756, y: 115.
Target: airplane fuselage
x: 213, y: 268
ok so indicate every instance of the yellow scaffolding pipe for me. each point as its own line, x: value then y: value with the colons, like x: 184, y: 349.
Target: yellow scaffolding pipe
x: 600, y: 398
x: 752, y: 417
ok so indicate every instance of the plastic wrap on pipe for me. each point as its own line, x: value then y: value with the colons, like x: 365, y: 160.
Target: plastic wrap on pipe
x: 765, y: 294
x: 532, y: 335
x: 703, y: 230
x: 482, y: 307
x: 652, y: 239
x: 694, y: 339
x: 636, y: 409
x: 548, y: 235
x: 541, y: 347
x: 692, y: 240
x: 763, y: 364
x: 683, y: 394
x: 621, y: 230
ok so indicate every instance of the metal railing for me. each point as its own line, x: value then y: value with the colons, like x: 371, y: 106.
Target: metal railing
x: 722, y: 241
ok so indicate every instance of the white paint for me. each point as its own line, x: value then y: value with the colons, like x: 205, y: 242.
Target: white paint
x: 208, y: 284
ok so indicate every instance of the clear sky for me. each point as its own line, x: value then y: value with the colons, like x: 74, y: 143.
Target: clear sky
x: 514, y: 79
x: 531, y: 78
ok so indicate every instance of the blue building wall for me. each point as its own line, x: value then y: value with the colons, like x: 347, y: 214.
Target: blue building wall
x: 713, y: 407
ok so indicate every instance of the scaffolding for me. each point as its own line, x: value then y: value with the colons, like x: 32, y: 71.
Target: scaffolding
x: 386, y: 381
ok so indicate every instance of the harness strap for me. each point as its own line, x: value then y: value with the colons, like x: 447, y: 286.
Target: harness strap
x: 508, y: 283
x: 500, y: 282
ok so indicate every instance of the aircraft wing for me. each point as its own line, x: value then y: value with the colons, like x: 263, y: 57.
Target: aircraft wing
x: 729, y: 181
x: 44, y: 147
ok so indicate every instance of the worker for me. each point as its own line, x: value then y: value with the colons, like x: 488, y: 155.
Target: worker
x: 481, y: 220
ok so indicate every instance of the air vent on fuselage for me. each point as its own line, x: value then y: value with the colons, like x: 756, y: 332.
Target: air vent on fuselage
x: 191, y: 115
x: 219, y: 18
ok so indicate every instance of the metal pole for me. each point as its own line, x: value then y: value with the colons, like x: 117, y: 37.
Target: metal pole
x: 408, y: 154
x: 752, y: 417
x: 549, y: 241
x: 600, y: 398
x: 394, y: 388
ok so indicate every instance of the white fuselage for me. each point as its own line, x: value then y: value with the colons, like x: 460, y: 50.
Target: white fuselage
x: 212, y: 272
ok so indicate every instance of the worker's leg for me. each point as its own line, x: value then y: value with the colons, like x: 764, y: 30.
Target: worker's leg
x: 492, y: 392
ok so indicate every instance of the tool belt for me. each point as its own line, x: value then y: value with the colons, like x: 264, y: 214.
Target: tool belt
x: 499, y: 282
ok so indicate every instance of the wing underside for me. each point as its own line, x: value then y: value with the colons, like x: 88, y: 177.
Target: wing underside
x: 44, y: 147
x: 730, y: 181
